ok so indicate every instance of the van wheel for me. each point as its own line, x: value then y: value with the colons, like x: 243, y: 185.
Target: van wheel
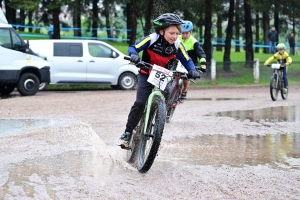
x: 28, y: 84
x: 6, y: 89
x: 43, y: 86
x: 127, y: 81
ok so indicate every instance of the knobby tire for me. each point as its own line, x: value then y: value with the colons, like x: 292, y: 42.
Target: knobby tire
x: 149, y: 144
x: 134, y: 142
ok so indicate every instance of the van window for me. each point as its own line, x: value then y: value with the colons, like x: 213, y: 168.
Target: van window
x: 68, y: 49
x: 5, y: 40
x: 99, y: 50
x: 10, y: 42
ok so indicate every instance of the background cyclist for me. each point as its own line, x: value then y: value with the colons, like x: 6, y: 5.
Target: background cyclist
x: 282, y: 57
x: 194, y: 50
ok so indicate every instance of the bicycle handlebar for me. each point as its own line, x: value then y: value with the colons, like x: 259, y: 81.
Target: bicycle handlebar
x: 148, y: 66
x: 281, y: 65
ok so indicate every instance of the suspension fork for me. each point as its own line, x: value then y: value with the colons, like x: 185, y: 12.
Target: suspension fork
x: 152, y: 97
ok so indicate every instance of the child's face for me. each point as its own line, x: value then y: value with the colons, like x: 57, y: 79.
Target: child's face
x: 186, y: 35
x: 170, y: 34
x: 280, y: 51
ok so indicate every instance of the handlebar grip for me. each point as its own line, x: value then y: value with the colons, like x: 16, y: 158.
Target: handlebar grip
x: 126, y: 57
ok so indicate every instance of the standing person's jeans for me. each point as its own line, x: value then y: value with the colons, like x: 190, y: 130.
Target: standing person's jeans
x: 272, y: 48
x: 292, y: 50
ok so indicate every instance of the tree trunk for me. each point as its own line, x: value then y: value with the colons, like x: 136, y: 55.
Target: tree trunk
x: 266, y: 29
x: 95, y: 19
x: 133, y: 27
x: 22, y: 19
x: 248, y: 31
x: 276, y: 23
x: 229, y: 33
x: 257, y: 31
x: 219, y: 33
x: 107, y: 22
x: 77, y: 19
x: 148, y: 17
x: 237, y: 26
x: 30, y: 14
x: 227, y: 46
x: 10, y: 13
x: 207, y: 33
x: 56, y: 22
x: 128, y: 22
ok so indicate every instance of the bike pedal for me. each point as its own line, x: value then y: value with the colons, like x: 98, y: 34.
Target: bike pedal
x: 124, y: 147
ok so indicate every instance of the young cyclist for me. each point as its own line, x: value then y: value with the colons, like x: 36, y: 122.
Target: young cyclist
x: 160, y: 48
x: 194, y: 50
x: 282, y: 57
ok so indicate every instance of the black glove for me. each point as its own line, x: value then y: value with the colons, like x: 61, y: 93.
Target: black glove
x: 203, y: 67
x: 193, y: 74
x: 134, y: 58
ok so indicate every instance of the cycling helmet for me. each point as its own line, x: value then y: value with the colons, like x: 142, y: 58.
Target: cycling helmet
x: 187, y: 26
x: 166, y: 20
x: 280, y: 46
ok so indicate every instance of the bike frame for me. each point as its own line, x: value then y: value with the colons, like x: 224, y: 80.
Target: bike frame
x: 156, y: 93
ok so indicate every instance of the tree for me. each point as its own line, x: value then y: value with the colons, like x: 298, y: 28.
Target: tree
x: 248, y: 31
x: 207, y: 33
x: 133, y: 22
x: 227, y: 47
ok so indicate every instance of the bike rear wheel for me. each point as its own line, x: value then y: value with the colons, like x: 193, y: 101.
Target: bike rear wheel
x: 149, y: 142
x: 274, y: 88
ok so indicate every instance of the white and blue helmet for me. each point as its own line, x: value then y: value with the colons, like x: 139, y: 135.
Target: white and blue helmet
x: 187, y: 26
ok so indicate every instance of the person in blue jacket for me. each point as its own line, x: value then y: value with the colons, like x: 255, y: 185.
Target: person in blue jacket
x: 161, y: 48
x: 51, y: 31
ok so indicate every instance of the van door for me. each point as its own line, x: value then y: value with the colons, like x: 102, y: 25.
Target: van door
x: 12, y: 57
x: 69, y: 65
x: 102, y: 64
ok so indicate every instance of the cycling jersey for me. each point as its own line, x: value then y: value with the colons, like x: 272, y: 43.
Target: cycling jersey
x: 281, y: 58
x: 156, y: 50
x: 193, y: 48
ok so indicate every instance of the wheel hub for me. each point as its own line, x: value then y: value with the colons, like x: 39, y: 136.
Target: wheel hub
x: 29, y: 84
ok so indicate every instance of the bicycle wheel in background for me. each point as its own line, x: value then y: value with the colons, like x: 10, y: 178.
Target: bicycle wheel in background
x: 274, y: 88
x: 172, y: 106
x: 149, y: 142
x: 284, y: 96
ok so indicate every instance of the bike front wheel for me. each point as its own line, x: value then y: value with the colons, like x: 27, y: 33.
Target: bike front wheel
x: 150, y: 141
x: 274, y: 88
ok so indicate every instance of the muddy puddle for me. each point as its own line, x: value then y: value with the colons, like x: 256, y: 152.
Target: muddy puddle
x: 272, y: 114
x: 17, y: 126
x: 280, y: 151
x: 213, y: 99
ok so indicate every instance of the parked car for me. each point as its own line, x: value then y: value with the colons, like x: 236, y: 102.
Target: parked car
x: 75, y: 62
x: 20, y: 67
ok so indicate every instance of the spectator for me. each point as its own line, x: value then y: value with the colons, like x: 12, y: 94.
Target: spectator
x: 292, y: 44
x: 273, y: 38
x: 51, y: 31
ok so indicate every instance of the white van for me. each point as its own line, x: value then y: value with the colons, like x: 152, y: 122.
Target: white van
x: 75, y: 62
x: 20, y: 67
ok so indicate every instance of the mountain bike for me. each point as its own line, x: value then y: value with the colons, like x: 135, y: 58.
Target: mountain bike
x: 277, y: 83
x: 147, y: 135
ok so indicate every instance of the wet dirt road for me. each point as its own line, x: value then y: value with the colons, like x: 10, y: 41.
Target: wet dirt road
x: 222, y: 143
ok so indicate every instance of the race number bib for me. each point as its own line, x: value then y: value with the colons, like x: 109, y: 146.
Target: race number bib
x: 160, y: 77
